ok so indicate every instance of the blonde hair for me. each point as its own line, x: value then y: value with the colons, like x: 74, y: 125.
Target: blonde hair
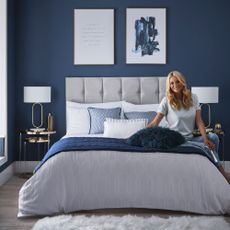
x: 186, y: 101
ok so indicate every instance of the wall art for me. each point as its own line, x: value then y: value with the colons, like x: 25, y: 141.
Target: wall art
x: 146, y: 36
x: 94, y: 36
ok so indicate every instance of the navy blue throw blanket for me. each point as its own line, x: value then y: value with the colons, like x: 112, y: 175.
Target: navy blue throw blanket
x: 101, y: 143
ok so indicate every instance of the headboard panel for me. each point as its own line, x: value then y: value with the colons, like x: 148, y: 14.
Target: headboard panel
x: 137, y: 90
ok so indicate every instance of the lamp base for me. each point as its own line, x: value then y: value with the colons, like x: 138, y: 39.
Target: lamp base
x: 37, y: 129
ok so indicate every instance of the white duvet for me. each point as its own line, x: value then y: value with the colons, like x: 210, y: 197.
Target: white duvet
x: 87, y: 180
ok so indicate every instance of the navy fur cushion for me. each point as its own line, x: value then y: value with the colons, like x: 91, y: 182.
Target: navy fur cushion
x: 156, y: 137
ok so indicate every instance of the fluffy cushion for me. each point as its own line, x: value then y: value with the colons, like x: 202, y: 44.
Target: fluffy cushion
x: 98, y: 116
x: 123, y: 128
x: 141, y: 115
x: 77, y: 116
x: 157, y: 137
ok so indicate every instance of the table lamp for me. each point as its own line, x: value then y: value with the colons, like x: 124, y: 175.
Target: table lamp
x: 206, y: 96
x: 37, y: 95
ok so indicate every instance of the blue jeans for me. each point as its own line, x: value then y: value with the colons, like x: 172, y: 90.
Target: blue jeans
x: 212, y: 137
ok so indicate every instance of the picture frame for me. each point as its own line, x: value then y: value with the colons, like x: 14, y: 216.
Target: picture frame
x: 93, y: 36
x: 146, y: 36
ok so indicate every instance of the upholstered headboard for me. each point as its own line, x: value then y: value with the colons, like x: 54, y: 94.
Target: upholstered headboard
x: 137, y: 90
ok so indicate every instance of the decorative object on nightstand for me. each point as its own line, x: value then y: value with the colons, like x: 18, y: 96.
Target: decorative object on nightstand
x: 37, y: 95
x: 207, y: 95
x: 217, y: 128
x: 50, y: 122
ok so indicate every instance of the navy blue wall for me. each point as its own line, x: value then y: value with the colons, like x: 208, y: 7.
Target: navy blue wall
x: 198, y: 44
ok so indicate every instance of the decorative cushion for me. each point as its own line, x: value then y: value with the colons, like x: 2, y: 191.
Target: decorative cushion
x: 129, y: 107
x: 77, y: 116
x: 141, y: 115
x: 98, y: 116
x: 156, y: 137
x: 123, y: 128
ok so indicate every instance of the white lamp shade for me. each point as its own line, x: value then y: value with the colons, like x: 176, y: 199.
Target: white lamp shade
x: 206, y: 94
x: 37, y: 94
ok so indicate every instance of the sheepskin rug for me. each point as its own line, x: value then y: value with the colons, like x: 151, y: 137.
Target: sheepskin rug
x: 131, y: 222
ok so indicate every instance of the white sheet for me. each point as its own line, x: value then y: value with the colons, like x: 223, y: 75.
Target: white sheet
x: 86, y: 180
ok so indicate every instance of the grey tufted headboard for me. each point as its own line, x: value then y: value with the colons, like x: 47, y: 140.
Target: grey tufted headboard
x: 137, y: 90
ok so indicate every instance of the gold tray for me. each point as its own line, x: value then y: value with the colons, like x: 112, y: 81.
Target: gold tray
x: 36, y: 140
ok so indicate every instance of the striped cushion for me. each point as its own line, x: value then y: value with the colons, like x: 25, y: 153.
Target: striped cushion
x: 123, y: 128
x: 141, y: 115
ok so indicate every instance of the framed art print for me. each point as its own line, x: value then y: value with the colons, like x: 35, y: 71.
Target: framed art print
x: 94, y: 36
x: 146, y: 36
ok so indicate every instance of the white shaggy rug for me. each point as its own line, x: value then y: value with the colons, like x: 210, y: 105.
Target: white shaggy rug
x: 131, y: 222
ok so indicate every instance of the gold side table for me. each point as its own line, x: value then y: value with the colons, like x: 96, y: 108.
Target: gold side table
x: 33, y: 137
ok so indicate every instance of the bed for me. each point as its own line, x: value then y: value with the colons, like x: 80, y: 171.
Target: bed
x: 100, y: 178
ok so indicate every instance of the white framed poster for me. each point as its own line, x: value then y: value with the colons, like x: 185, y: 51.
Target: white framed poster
x: 146, y: 36
x: 93, y: 36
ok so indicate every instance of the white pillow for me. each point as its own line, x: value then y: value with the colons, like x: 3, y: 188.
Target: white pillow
x: 129, y: 107
x: 77, y: 116
x: 106, y: 105
x: 122, y: 128
x: 77, y: 121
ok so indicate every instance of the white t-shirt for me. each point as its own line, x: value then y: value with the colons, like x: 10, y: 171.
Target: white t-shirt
x: 182, y: 120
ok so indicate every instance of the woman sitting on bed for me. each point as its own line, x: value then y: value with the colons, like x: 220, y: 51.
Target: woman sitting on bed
x: 182, y: 111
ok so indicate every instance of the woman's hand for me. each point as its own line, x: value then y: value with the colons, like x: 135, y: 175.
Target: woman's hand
x: 210, y: 144
x: 155, y: 120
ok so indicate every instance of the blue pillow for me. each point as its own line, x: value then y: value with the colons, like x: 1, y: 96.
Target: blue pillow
x: 156, y: 137
x: 98, y: 116
x: 144, y: 115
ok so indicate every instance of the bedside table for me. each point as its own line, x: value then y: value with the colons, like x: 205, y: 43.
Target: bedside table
x: 33, y: 137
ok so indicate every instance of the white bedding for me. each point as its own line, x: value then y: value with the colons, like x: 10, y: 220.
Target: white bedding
x: 83, y: 135
x: 86, y: 180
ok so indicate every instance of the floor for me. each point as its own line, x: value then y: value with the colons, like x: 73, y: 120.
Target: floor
x: 9, y: 208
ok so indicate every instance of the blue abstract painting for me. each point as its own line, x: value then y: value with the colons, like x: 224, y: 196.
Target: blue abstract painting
x: 146, y: 34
